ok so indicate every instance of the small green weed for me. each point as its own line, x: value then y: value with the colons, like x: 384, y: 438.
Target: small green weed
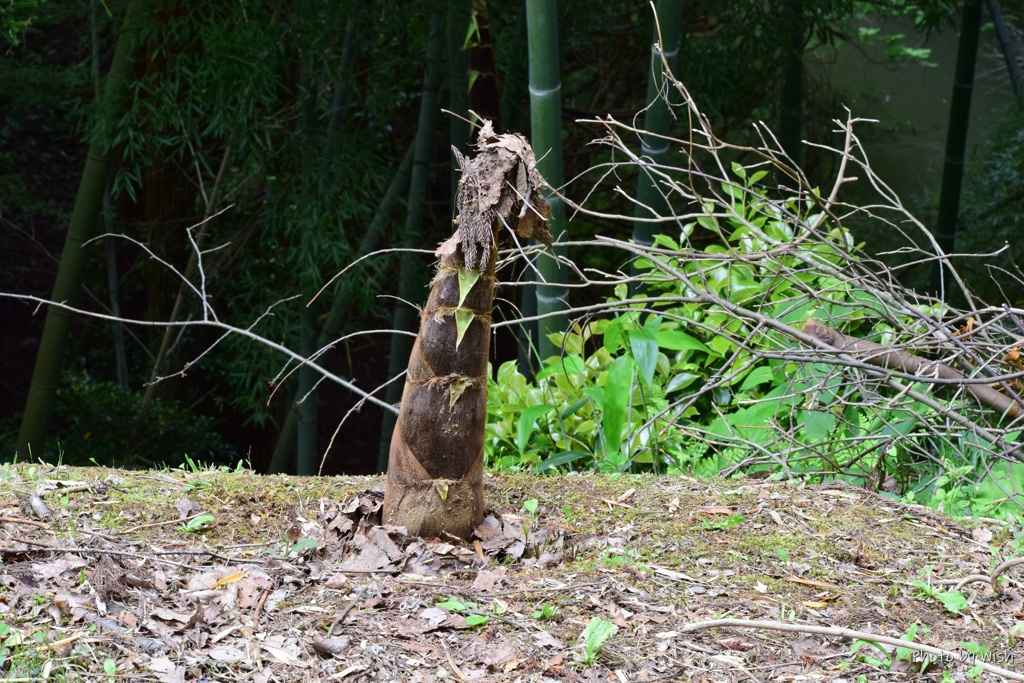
x: 954, y: 602
x: 196, y: 524
x: 885, y: 659
x: 597, y: 632
x: 469, y: 608
x: 721, y: 523
x: 546, y: 611
x: 302, y: 544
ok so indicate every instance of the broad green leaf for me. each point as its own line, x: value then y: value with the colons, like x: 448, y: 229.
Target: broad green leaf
x: 899, y: 428
x: 758, y: 375
x: 613, y: 336
x: 667, y: 242
x: 644, y: 345
x: 506, y: 370
x: 595, y: 634
x: 463, y: 318
x: 569, y: 343
x: 753, y: 422
x: 545, y: 612
x: 476, y: 620
x: 564, y: 458
x: 953, y: 601
x: 597, y: 631
x: 567, y: 365
x: 616, y: 399
x: 677, y: 340
x: 681, y: 380
x: 527, y: 421
x: 817, y: 423
x: 467, y: 278
x: 721, y: 346
x: 197, y: 523
x: 722, y: 523
x: 573, y: 407
x: 858, y: 644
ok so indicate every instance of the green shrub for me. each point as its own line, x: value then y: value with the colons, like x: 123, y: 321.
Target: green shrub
x: 94, y: 421
x: 698, y: 372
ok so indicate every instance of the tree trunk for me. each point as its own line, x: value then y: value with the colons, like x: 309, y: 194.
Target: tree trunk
x: 956, y: 138
x: 70, y: 272
x: 113, y: 284
x: 546, y: 134
x: 435, y: 465
x: 657, y: 118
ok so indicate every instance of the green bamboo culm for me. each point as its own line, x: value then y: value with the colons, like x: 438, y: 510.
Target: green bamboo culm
x: 460, y: 14
x: 309, y: 163
x: 791, y: 96
x: 546, y: 138
x: 657, y: 119
x: 341, y: 304
x: 84, y: 217
x: 956, y: 137
x: 1009, y: 50
x: 411, y: 274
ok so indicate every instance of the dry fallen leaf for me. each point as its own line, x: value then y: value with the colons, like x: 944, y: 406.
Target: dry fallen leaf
x: 485, y: 579
x: 331, y: 646
x: 981, y: 535
x: 166, y: 671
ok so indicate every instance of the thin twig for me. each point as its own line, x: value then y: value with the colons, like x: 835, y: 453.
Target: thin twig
x: 840, y: 632
x: 348, y: 608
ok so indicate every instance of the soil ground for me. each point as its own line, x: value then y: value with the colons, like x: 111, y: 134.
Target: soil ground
x: 230, y: 576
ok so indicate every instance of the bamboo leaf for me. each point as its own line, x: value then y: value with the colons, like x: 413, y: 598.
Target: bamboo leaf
x: 467, y: 278
x: 463, y: 318
x: 455, y: 390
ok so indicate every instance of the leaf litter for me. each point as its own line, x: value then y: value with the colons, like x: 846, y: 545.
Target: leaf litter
x: 296, y: 579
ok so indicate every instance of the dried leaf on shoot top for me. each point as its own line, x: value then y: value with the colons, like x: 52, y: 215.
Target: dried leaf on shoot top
x: 500, y: 185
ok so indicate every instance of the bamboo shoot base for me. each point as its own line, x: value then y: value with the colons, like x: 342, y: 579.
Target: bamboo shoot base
x: 437, y: 508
